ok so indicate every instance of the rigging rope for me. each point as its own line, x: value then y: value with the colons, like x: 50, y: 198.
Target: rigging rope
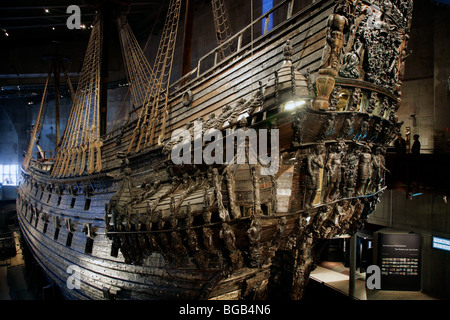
x: 80, y: 149
x: 222, y: 24
x: 149, y: 86
x: 36, y: 128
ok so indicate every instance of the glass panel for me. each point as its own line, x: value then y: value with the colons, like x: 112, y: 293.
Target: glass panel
x: 5, y: 174
x: 9, y: 174
x: 266, y: 6
x: 14, y: 169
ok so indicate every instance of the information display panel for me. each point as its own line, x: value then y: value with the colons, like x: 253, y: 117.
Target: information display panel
x: 399, y: 260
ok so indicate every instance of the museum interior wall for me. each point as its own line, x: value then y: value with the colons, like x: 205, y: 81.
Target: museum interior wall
x: 416, y: 207
x: 425, y: 102
x: 427, y: 215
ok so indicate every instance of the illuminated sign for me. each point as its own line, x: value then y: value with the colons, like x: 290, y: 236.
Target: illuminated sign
x: 441, y: 243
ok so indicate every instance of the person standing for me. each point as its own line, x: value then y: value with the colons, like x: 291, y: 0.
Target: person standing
x: 416, y: 145
x: 400, y: 144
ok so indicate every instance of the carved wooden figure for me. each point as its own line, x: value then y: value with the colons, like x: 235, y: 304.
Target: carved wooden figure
x: 364, y: 169
x: 314, y: 162
x: 334, y: 169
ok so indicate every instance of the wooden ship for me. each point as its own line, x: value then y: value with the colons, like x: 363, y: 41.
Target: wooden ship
x: 327, y: 79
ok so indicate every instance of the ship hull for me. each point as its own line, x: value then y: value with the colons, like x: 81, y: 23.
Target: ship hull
x: 141, y: 261
x: 145, y: 227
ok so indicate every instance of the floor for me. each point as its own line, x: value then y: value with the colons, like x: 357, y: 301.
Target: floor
x: 13, y: 284
x: 336, y: 276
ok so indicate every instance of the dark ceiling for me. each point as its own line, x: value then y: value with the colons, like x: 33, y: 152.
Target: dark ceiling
x: 30, y: 31
x: 24, y: 23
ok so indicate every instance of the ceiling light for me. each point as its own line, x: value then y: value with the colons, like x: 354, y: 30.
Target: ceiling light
x: 53, y: 28
x: 46, y: 10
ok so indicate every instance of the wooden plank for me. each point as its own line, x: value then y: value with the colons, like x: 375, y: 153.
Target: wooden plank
x: 195, y: 111
x: 227, y: 93
x: 133, y: 279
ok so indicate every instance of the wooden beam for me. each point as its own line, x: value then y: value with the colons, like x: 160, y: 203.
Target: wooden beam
x: 57, y: 65
x: 187, y: 39
x: 106, y: 18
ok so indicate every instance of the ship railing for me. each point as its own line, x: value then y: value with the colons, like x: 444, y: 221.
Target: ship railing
x: 205, y: 66
x: 43, y: 160
x: 214, y: 55
x: 239, y: 36
x: 43, y: 156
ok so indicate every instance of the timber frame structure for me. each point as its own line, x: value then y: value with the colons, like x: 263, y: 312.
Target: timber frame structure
x: 327, y: 77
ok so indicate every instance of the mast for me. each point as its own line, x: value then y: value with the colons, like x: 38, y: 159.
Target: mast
x: 80, y: 147
x: 56, y: 63
x: 36, y: 129
x: 187, y: 38
x: 106, y: 18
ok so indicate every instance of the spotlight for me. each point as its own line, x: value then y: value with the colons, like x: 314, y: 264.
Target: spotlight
x: 46, y: 10
x: 291, y: 105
